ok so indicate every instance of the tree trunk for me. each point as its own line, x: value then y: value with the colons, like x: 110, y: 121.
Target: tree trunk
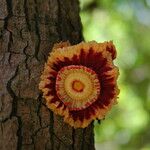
x: 28, y: 30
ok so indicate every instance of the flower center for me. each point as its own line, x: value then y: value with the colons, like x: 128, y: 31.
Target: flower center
x: 78, y: 86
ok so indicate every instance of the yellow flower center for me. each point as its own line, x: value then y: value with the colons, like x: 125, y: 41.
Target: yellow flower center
x: 78, y: 86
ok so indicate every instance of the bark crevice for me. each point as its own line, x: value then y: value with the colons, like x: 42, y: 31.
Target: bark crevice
x: 27, y: 15
x: 37, y: 30
x: 9, y: 11
x: 51, y: 129
x: 12, y: 93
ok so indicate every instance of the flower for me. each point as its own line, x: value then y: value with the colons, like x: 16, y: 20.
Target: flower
x: 79, y: 82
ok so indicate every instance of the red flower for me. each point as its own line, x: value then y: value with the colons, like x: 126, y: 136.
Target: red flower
x: 79, y: 82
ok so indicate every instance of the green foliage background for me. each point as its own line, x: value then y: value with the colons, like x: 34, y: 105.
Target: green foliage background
x: 127, y: 23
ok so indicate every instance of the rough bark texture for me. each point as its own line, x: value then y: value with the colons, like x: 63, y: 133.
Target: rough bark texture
x: 28, y: 30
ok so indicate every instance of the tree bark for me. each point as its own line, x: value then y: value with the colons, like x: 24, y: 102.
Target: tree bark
x: 28, y: 30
